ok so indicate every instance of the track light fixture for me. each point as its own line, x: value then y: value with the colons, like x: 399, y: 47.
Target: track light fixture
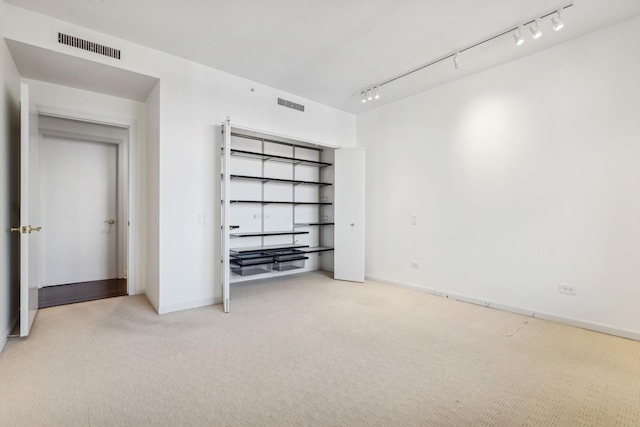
x: 557, y: 21
x: 516, y: 31
x: 369, y: 94
x: 535, y: 30
x: 517, y: 36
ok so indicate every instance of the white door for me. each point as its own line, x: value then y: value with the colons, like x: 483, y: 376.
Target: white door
x: 29, y: 231
x: 225, y: 190
x: 349, y: 214
x: 79, y: 211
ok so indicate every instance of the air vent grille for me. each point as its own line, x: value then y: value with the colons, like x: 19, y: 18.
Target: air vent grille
x: 88, y: 46
x: 290, y: 104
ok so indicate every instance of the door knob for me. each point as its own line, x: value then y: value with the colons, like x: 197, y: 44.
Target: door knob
x: 111, y: 221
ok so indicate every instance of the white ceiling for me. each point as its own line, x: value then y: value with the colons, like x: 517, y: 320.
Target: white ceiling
x: 330, y: 50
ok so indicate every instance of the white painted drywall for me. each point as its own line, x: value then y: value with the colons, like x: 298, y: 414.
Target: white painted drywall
x: 152, y: 198
x: 79, y: 197
x: 522, y: 177
x: 9, y: 143
x: 194, y: 101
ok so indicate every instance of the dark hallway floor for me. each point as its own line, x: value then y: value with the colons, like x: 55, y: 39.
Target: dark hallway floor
x: 51, y: 296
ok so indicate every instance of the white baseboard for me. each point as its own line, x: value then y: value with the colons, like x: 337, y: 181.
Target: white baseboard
x: 188, y: 305
x: 579, y: 323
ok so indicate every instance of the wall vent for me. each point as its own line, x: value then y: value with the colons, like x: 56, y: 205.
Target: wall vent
x: 290, y: 104
x: 88, y: 46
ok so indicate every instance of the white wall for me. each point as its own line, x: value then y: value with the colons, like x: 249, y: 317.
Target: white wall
x: 194, y: 101
x: 9, y: 155
x: 152, y: 198
x: 523, y: 177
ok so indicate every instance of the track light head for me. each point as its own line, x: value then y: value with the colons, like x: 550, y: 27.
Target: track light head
x: 376, y: 93
x: 517, y: 36
x: 535, y: 30
x: 364, y: 97
x: 456, y: 60
x: 369, y: 95
x: 557, y: 21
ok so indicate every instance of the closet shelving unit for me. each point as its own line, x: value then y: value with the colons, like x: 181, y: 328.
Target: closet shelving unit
x: 277, y: 207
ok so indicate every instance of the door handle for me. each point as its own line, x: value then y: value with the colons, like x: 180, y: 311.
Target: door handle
x: 34, y: 229
x: 111, y: 221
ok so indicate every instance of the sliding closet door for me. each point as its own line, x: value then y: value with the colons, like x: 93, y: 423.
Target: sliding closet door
x: 349, y: 214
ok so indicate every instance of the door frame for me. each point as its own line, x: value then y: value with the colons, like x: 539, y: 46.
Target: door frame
x: 127, y: 181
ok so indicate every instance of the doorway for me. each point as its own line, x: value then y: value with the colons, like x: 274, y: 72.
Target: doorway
x: 83, y: 202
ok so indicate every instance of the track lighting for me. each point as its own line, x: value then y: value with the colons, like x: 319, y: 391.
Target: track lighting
x: 370, y: 94
x: 456, y: 60
x: 516, y: 31
x: 535, y: 30
x: 558, y: 24
x: 517, y: 36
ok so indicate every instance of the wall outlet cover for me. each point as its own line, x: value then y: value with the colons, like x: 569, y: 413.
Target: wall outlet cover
x: 565, y: 288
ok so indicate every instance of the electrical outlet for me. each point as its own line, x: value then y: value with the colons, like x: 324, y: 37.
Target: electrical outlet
x: 414, y: 219
x: 563, y: 288
x: 414, y: 264
x: 200, y: 219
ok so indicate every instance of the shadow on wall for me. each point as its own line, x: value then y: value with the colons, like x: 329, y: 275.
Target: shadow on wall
x: 12, y: 200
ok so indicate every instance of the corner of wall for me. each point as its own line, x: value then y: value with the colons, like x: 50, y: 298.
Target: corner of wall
x: 152, y: 199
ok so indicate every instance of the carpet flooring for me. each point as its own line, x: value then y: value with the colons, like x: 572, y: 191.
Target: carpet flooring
x: 305, y: 350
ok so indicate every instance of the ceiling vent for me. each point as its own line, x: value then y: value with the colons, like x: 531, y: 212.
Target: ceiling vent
x: 88, y: 46
x: 290, y: 104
